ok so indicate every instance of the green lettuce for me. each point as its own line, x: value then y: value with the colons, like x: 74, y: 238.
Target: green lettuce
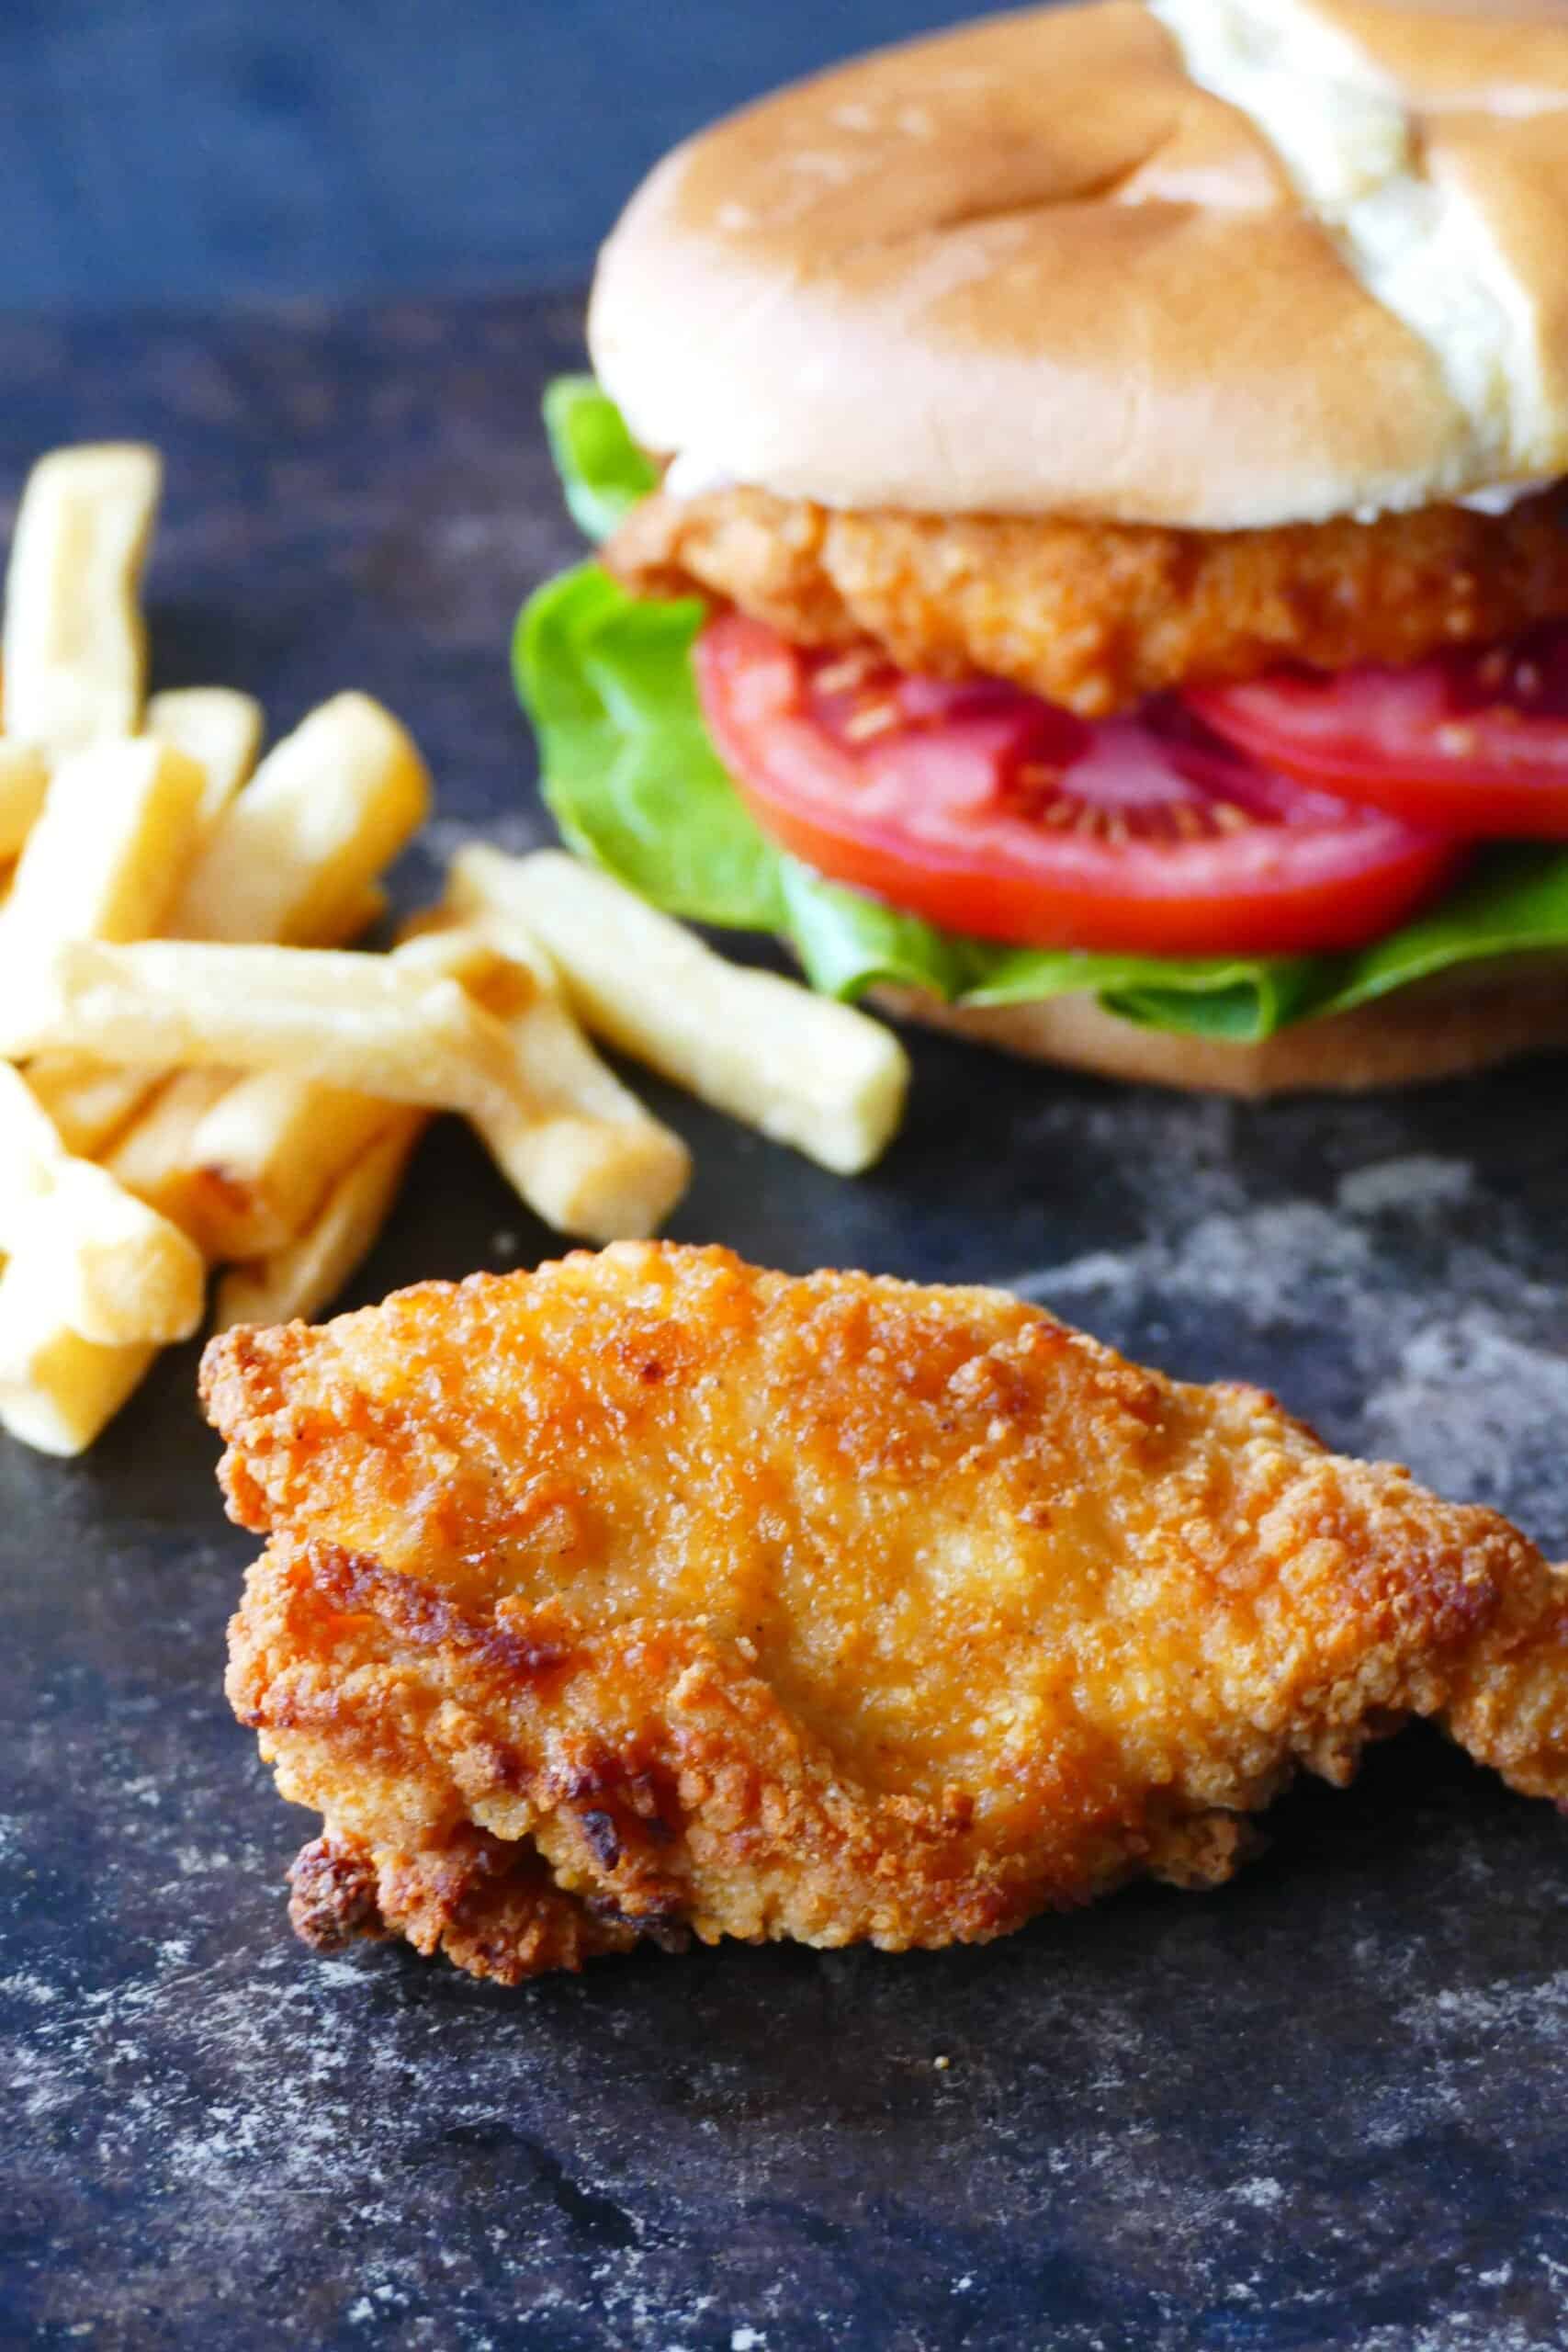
x: 634, y: 783
x: 602, y: 471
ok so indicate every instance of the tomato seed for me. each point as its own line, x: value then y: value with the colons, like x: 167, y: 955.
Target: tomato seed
x: 853, y: 670
x: 873, y: 718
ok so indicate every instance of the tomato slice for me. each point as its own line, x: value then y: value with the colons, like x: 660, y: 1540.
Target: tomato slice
x: 993, y: 813
x: 1474, y: 742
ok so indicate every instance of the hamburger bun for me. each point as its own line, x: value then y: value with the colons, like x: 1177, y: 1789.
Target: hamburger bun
x: 1217, y: 263
x: 1450, y: 1027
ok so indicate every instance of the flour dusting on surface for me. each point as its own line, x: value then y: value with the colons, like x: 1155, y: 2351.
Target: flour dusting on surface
x: 1475, y: 1400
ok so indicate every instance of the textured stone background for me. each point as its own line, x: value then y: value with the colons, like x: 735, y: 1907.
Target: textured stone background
x: 198, y: 152
x: 1327, y: 2106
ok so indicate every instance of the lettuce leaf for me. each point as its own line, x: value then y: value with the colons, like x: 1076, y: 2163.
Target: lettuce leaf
x: 602, y: 471
x: 634, y: 783
x: 626, y: 761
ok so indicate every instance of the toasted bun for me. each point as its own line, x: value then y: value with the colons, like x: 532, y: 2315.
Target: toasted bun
x: 1032, y: 266
x: 1444, y: 1028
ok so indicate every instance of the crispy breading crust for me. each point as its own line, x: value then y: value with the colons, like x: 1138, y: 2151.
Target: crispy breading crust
x: 491, y: 1907
x: 649, y: 1593
x: 1097, y: 616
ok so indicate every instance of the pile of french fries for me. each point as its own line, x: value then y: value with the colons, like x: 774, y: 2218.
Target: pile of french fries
x: 201, y: 1068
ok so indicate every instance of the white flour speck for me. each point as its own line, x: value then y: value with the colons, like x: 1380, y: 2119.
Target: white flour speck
x: 1418, y: 1182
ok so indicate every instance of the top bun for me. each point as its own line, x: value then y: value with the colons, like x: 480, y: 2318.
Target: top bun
x: 1214, y: 263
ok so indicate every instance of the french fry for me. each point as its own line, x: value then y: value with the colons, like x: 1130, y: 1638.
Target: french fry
x: 57, y: 1389
x: 326, y: 811
x: 96, y: 1107
x: 363, y: 1021
x: 106, y: 856
x: 269, y: 1150
x: 237, y: 1196
x: 93, y: 1104
x: 153, y: 1158
x: 462, y: 952
x: 273, y: 1147
x: 75, y: 648
x: 347, y: 924
x: 24, y: 780
x: 117, y: 1271
x: 612, y: 1162
x: 239, y: 1086
x: 801, y: 1068
x: 217, y: 728
x: 375, y: 1024
x: 125, y: 1272
x: 90, y: 1102
x: 266, y: 1154
x: 306, y: 1274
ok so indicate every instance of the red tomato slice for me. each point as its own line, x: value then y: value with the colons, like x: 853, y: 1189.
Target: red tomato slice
x: 995, y: 814
x: 1475, y: 743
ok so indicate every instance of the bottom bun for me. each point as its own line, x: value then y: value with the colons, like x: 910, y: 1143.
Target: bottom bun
x: 1443, y: 1028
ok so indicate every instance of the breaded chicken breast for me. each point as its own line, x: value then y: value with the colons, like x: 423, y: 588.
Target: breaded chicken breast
x: 1096, y: 615
x: 650, y: 1595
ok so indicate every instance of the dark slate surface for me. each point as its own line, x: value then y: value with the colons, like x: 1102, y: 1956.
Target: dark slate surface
x: 1325, y: 2107
x: 203, y: 152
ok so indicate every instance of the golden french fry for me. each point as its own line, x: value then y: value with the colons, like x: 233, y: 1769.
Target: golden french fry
x: 463, y: 952
x: 270, y: 1149
x: 75, y: 644
x: 116, y: 1271
x: 801, y: 1068
x: 326, y: 811
x: 307, y: 1275
x: 153, y: 1159
x: 57, y: 1389
x: 30, y: 1148
x: 93, y: 1104
x: 24, y: 780
x: 363, y: 1021
x: 217, y: 728
x: 346, y: 924
x: 124, y: 1273
x: 96, y: 1106
x: 265, y: 1156
x: 89, y: 1102
x: 374, y: 1025
x: 106, y: 856
x: 614, y: 1173
x: 254, y: 1100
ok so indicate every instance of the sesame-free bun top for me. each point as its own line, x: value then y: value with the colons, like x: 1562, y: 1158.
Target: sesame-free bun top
x: 1214, y: 264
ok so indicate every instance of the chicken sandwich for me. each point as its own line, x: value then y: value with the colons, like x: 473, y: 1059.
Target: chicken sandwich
x: 1086, y: 539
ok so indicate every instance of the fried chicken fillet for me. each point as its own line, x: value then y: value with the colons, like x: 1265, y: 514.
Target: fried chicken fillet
x: 648, y: 1594
x: 1095, y: 615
